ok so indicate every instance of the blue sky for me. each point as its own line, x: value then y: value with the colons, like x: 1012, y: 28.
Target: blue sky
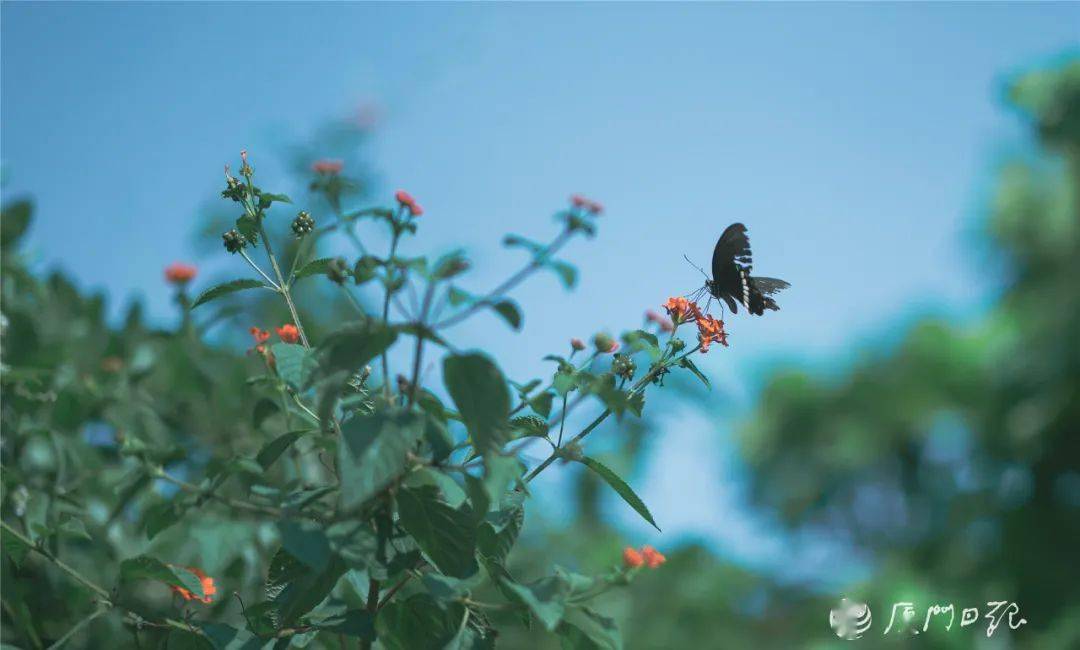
x: 856, y: 141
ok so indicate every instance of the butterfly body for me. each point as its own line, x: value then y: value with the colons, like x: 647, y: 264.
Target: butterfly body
x: 731, y: 281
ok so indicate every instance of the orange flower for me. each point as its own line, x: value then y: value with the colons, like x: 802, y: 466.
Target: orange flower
x: 653, y: 557
x: 710, y: 331
x: 327, y: 166
x: 179, y: 273
x: 288, y: 333
x: 681, y: 310
x: 663, y: 322
x: 205, y: 581
x: 632, y: 558
x: 406, y: 200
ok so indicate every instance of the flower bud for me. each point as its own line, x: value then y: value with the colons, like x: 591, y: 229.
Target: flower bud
x: 577, y: 344
x: 632, y: 558
x: 623, y: 366
x: 604, y: 343
x: 677, y: 344
x: 303, y: 224
x: 233, y: 241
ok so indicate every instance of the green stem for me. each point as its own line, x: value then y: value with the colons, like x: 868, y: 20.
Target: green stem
x: 537, y: 261
x: 640, y: 385
x: 386, y: 303
x: 232, y: 503
x: 100, y: 591
x: 78, y: 626
x: 283, y: 288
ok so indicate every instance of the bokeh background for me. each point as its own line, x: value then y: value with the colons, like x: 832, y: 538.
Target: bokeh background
x: 902, y: 430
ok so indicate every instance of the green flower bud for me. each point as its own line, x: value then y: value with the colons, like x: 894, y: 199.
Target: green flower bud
x: 303, y: 224
x: 233, y: 241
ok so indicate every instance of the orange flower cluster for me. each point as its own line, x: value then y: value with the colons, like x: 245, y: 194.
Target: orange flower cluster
x: 588, y: 205
x: 662, y: 321
x: 179, y: 273
x: 327, y: 166
x: 407, y: 201
x: 206, y: 581
x: 261, y: 337
x: 710, y: 330
x: 647, y: 556
x: 288, y: 333
x: 681, y: 310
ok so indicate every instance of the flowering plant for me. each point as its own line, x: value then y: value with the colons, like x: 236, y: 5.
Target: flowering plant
x: 379, y: 505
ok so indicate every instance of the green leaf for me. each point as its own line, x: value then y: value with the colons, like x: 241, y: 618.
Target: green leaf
x: 225, y: 289
x: 509, y: 311
x: 74, y: 527
x: 355, y: 622
x: 567, y: 272
x: 145, y: 567
x: 689, y: 365
x: 295, y: 589
x: 373, y: 453
x: 272, y: 450
x: 295, y: 363
x: 226, y: 637
x: 248, y: 226
x: 530, y: 425
x: 545, y: 598
x: 306, y: 541
x: 418, y: 622
x: 541, y: 403
x: 479, y: 391
x: 621, y: 487
x: 269, y: 198
x: 14, y: 222
x: 584, y: 629
x: 517, y: 241
x: 14, y: 547
x: 184, y: 640
x: 264, y: 408
x: 446, y: 535
x: 314, y: 267
x: 161, y: 517
x: 355, y: 344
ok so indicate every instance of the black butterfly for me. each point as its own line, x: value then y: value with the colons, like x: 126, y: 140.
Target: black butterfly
x: 731, y: 279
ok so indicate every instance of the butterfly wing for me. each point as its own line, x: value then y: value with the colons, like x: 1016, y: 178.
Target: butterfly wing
x: 769, y: 286
x: 731, y: 264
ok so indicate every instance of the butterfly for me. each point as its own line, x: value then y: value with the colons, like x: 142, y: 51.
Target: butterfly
x: 731, y: 280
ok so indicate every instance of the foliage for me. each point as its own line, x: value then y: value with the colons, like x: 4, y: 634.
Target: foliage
x: 162, y: 490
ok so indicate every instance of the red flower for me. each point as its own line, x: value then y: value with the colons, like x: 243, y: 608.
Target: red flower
x: 681, y: 310
x: 665, y: 323
x: 577, y: 344
x: 586, y: 204
x: 288, y: 333
x: 653, y: 557
x: 710, y: 330
x: 179, y: 273
x: 407, y: 201
x: 632, y: 558
x: 326, y: 166
x: 205, y: 581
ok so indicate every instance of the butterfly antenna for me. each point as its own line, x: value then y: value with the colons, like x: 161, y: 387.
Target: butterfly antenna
x: 696, y: 266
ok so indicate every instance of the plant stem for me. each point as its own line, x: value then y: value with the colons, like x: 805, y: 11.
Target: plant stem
x: 640, y: 385
x: 100, y: 591
x: 78, y: 626
x: 232, y: 503
x: 255, y: 266
x: 420, y: 343
x: 386, y: 303
x: 536, y: 262
x: 283, y: 288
